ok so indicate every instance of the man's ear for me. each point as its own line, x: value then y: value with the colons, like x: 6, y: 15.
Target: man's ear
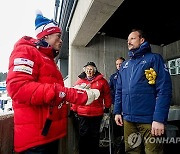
x: 45, y: 37
x: 142, y: 40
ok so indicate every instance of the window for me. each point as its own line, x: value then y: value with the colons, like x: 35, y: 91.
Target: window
x: 178, y: 65
x: 174, y: 66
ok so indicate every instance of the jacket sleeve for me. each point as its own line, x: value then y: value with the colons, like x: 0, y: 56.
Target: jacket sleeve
x: 72, y: 95
x: 111, y: 85
x: 163, y: 90
x: 107, y: 95
x: 118, y: 96
x: 24, y: 87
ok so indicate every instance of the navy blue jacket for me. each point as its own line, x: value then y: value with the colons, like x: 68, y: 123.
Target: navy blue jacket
x: 137, y: 100
x: 112, y: 84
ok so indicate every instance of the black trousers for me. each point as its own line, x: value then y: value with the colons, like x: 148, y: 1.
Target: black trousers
x: 89, y: 134
x: 75, y: 121
x: 50, y: 148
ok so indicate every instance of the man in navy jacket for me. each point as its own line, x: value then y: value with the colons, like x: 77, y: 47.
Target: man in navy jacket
x: 143, y: 96
x: 113, y: 77
x: 118, y: 141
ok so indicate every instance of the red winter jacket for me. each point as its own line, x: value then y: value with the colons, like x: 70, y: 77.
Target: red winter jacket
x: 36, y: 87
x: 97, y: 106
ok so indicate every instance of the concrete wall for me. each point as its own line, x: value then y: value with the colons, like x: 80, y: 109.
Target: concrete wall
x: 172, y: 51
x: 88, y: 18
x: 102, y: 50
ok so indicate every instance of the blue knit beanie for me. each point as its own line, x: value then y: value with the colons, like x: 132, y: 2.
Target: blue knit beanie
x: 44, y: 26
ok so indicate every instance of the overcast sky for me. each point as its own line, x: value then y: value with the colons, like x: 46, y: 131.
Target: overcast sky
x: 17, y: 18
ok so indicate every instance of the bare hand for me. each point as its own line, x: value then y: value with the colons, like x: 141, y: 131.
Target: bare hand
x: 157, y: 128
x: 118, y: 120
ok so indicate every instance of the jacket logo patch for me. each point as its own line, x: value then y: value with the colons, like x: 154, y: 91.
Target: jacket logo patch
x: 143, y: 62
x: 80, y: 92
x: 116, y: 76
x: 126, y: 65
x: 20, y: 61
x: 62, y: 94
x: 22, y: 68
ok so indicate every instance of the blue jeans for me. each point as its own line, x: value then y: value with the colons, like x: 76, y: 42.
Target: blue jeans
x: 138, y: 139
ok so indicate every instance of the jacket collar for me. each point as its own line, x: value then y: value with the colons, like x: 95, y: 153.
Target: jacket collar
x: 144, y: 48
x: 45, y: 48
x: 41, y: 46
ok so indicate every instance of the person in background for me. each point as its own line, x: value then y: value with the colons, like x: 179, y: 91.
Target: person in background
x: 36, y: 87
x: 90, y: 116
x: 143, y: 96
x: 117, y: 131
x: 113, y: 77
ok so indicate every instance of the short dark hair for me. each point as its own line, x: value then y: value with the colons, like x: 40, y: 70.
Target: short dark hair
x: 90, y: 63
x: 121, y: 58
x: 141, y: 33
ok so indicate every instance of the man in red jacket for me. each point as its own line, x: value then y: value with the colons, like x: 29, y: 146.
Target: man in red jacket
x: 36, y: 87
